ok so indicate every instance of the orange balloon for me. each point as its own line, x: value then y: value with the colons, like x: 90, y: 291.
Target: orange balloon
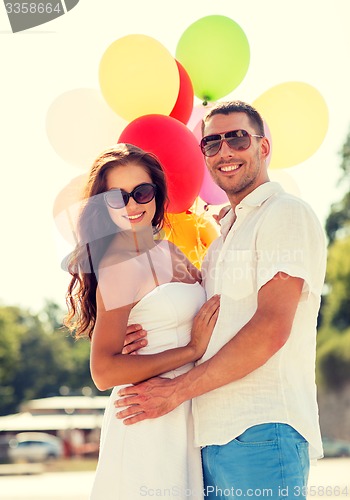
x: 192, y: 233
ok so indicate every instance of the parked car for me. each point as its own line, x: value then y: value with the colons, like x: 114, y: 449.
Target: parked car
x: 335, y: 447
x: 34, y: 447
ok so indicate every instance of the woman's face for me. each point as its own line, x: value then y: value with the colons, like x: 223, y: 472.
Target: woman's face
x: 133, y: 216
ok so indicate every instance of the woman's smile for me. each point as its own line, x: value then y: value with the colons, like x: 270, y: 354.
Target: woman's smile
x: 134, y: 218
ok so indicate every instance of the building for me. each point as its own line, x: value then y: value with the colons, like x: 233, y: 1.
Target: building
x: 76, y: 419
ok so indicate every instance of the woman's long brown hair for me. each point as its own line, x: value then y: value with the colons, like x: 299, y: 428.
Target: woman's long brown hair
x: 95, y: 231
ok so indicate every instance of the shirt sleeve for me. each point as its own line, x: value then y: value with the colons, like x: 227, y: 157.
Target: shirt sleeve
x: 291, y: 240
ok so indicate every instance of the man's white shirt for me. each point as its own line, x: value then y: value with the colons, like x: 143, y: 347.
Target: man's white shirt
x: 272, y: 232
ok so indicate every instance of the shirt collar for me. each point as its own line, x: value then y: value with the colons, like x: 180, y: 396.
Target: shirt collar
x: 254, y: 199
x: 261, y: 194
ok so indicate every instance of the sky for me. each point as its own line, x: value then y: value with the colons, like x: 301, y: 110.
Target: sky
x: 303, y: 40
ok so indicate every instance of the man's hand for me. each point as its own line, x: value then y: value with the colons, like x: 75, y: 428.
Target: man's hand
x: 150, y: 399
x: 134, y: 339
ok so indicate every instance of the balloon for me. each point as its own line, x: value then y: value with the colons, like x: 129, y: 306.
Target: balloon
x: 178, y: 151
x: 192, y: 233
x: 66, y: 211
x: 184, y: 103
x: 198, y: 113
x: 67, y: 207
x: 210, y: 192
x: 80, y: 125
x: 297, y: 116
x: 215, y: 52
x: 138, y: 76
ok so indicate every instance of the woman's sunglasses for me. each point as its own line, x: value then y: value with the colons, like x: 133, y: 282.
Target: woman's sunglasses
x: 118, y: 198
x: 239, y: 140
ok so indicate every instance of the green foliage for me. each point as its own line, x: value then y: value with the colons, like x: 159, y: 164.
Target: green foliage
x: 333, y: 359
x: 333, y: 353
x: 38, y: 356
x: 345, y: 163
x: 12, y: 329
x: 336, y: 309
x: 338, y: 221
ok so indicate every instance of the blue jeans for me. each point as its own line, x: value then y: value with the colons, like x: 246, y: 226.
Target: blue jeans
x: 268, y: 460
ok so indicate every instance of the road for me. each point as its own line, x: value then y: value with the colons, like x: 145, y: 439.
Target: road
x: 329, y: 479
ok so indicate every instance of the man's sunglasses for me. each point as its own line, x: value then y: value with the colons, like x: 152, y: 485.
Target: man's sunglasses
x: 239, y: 140
x: 118, y: 198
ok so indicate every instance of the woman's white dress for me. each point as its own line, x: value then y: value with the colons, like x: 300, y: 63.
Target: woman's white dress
x: 156, y: 457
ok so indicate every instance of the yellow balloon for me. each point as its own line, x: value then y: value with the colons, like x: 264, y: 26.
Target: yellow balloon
x: 297, y: 116
x: 192, y: 233
x: 139, y: 76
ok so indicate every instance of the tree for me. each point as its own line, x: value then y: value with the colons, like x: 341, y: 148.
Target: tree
x: 338, y: 221
x: 345, y: 163
x: 11, y: 332
x: 38, y: 356
x: 333, y: 353
x: 336, y: 309
x: 333, y: 365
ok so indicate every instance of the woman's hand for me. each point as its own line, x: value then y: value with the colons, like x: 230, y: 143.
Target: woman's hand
x: 203, y: 326
x: 221, y: 214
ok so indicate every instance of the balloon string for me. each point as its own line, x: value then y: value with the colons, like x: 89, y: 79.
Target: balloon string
x: 200, y: 248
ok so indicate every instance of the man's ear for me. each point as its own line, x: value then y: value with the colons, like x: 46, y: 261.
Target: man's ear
x: 265, y: 147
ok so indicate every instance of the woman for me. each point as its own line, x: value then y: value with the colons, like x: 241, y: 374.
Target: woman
x: 123, y: 274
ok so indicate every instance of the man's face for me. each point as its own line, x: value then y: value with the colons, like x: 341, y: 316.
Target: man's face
x: 237, y: 172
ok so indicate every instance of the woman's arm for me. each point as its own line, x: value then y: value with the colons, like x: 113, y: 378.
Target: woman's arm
x: 109, y: 367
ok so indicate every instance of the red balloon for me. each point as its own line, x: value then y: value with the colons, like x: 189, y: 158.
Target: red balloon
x: 184, y: 103
x: 178, y: 151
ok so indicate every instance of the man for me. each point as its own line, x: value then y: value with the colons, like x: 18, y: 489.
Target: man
x: 254, y: 393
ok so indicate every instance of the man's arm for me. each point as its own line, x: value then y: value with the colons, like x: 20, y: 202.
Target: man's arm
x: 250, y: 348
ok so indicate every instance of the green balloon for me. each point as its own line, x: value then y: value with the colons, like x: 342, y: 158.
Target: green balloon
x: 215, y: 53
